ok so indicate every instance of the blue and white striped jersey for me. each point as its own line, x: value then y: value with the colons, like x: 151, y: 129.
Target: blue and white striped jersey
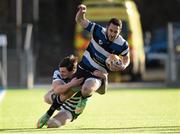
x: 100, y: 48
x: 57, y: 76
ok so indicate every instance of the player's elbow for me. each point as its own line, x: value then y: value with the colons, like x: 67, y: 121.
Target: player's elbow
x: 46, y: 99
x: 58, y: 90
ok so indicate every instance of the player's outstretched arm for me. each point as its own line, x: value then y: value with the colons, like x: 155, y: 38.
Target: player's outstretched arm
x: 61, y: 88
x: 80, y: 16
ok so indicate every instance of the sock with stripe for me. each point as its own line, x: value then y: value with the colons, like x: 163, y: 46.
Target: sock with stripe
x: 56, y: 104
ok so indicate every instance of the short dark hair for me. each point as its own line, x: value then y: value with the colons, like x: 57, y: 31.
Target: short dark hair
x: 116, y: 22
x: 70, y: 62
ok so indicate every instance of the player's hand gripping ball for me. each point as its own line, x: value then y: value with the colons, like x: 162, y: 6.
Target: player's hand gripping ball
x: 113, y: 62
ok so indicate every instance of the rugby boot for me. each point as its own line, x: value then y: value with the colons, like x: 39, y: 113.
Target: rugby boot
x: 43, y: 120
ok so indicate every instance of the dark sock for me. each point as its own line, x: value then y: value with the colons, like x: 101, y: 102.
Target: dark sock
x: 53, y: 96
x: 56, y: 104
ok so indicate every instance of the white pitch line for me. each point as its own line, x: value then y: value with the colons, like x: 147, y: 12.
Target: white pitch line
x: 2, y: 94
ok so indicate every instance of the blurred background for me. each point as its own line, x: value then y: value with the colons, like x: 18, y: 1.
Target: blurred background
x: 36, y: 34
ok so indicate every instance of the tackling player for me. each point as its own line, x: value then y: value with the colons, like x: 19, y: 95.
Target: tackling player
x: 61, y: 88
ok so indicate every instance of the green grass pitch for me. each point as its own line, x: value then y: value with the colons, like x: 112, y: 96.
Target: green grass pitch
x: 127, y: 111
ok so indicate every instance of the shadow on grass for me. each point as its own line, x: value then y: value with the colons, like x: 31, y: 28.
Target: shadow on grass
x: 160, y: 129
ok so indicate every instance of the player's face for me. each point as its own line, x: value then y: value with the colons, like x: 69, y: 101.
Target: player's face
x: 65, y: 73
x: 113, y: 31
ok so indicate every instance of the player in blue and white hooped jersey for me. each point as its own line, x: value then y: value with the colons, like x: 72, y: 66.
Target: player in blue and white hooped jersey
x: 100, y: 47
x: 104, y: 41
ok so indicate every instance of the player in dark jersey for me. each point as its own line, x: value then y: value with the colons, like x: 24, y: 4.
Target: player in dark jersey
x: 62, y: 84
x: 68, y: 109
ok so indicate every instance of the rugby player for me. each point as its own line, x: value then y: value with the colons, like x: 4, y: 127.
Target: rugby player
x: 104, y: 41
x: 61, y: 88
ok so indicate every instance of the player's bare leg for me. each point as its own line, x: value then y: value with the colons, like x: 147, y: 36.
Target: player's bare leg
x: 57, y: 99
x: 61, y: 119
x: 89, y: 87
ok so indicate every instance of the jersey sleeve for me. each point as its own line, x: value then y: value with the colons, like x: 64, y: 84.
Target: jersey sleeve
x: 57, y: 76
x: 90, y: 27
x: 125, y: 49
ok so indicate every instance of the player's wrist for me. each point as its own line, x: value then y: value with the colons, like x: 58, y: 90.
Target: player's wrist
x: 70, y: 84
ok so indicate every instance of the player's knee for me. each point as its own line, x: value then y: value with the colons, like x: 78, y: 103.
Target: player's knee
x: 87, y: 90
x: 90, y: 86
x: 46, y: 98
x: 54, y: 123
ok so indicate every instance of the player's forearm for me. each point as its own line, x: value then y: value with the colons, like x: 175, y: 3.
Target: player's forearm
x: 67, y: 95
x: 81, y: 19
x: 61, y: 89
x: 80, y: 16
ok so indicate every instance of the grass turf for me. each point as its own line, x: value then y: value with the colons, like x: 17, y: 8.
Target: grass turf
x: 118, y: 111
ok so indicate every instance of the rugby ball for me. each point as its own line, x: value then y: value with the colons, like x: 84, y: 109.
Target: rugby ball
x: 112, y: 60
